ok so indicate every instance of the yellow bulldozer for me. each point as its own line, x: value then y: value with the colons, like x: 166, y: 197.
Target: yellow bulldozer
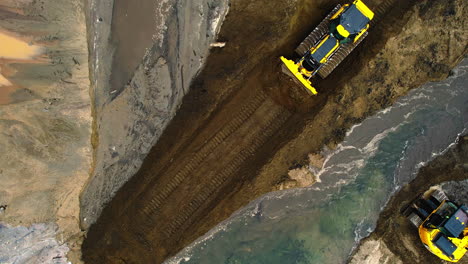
x: 329, y: 43
x: 442, y: 224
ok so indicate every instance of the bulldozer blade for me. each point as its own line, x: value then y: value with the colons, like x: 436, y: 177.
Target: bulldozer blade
x: 292, y: 69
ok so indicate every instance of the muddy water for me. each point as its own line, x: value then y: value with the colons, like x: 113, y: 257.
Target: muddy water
x: 133, y: 29
x: 13, y: 49
x: 323, y: 223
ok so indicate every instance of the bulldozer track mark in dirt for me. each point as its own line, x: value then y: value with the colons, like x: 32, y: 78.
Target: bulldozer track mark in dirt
x: 157, y: 199
x: 273, y: 124
x: 248, y: 110
x: 381, y: 9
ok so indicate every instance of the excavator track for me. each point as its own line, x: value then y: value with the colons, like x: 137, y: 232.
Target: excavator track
x: 415, y: 219
x: 317, y: 34
x: 342, y: 52
x: 419, y: 208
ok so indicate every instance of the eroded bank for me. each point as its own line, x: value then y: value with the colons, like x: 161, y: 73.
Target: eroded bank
x: 243, y: 123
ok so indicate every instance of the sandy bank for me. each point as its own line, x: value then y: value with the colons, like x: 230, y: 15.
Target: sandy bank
x: 45, y: 122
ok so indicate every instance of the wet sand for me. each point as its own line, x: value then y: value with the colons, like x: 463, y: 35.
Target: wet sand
x: 13, y: 50
x: 133, y: 27
x: 45, y: 117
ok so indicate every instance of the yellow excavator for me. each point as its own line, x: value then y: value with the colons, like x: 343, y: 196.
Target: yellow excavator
x: 329, y: 43
x: 442, y: 224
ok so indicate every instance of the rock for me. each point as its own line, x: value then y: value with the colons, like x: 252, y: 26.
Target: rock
x: 374, y: 252
x: 297, y: 178
x: 302, y: 176
x: 218, y: 44
x: 34, y: 244
x: 316, y: 160
x: 456, y: 191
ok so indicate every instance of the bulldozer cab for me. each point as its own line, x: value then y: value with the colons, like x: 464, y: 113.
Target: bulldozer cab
x: 353, y: 20
x: 348, y: 25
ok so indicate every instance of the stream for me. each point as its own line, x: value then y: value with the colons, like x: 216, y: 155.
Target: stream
x: 323, y: 223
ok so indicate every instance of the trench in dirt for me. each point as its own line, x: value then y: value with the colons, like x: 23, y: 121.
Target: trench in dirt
x: 240, y: 110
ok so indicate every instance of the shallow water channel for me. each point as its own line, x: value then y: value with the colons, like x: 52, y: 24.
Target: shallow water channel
x: 323, y: 223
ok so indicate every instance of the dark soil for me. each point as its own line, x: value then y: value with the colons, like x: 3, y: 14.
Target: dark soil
x: 240, y: 114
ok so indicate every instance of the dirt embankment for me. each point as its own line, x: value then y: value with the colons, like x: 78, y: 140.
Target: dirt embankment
x: 144, y: 57
x: 45, y: 118
x: 395, y: 239
x: 243, y: 123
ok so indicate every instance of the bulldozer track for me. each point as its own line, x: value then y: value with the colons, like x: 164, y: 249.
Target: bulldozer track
x: 380, y: 11
x: 316, y: 34
x: 157, y: 198
x: 339, y: 56
x: 264, y: 134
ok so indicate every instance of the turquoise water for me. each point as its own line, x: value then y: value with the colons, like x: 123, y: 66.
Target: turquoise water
x: 323, y: 223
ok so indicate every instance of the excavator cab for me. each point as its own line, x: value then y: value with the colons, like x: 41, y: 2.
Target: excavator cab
x: 442, y: 225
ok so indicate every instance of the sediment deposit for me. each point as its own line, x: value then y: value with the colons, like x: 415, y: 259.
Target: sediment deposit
x: 144, y: 58
x: 45, y: 121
